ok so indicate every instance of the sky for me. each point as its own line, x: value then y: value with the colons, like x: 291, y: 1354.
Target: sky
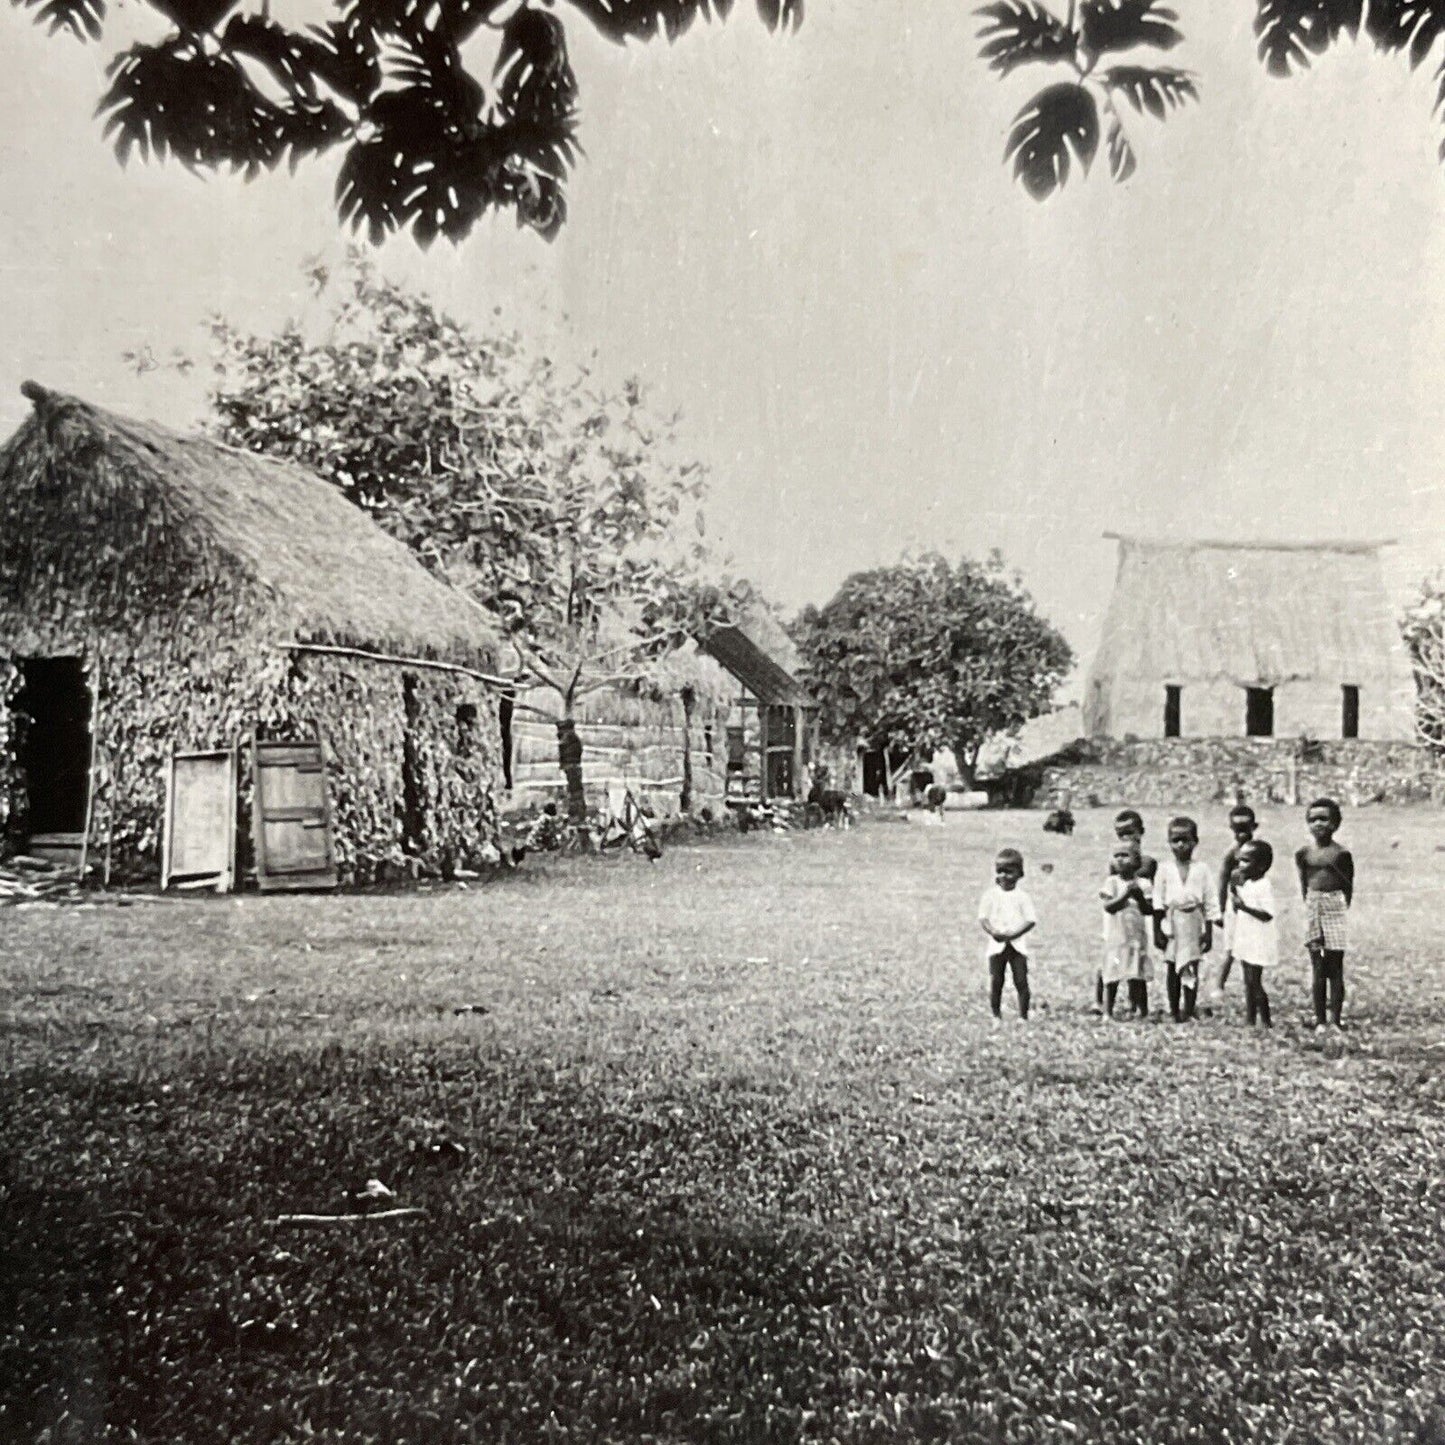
x: 809, y: 244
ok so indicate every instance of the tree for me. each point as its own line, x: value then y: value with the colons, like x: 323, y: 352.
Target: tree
x: 429, y: 149
x: 560, y: 509
x: 1061, y: 125
x: 1423, y: 627
x: 928, y: 654
x: 391, y: 83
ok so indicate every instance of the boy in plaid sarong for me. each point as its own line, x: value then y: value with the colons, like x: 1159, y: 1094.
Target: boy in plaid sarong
x: 1327, y: 882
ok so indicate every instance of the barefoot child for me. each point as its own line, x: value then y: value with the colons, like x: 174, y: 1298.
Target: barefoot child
x: 1126, y: 932
x: 1242, y: 824
x: 1129, y: 828
x: 1006, y: 913
x: 1327, y: 881
x: 1186, y: 908
x: 1251, y: 902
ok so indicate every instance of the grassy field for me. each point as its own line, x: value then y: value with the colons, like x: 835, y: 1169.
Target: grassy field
x: 725, y: 1150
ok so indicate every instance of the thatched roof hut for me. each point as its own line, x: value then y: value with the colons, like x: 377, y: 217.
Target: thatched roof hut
x: 321, y: 569
x: 1229, y: 639
x: 162, y: 592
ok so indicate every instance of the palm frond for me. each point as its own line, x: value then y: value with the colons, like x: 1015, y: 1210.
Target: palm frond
x: 1291, y: 33
x: 1122, y: 161
x: 1021, y: 32
x: 1110, y: 25
x: 82, y: 18
x: 1060, y: 124
x: 1148, y: 89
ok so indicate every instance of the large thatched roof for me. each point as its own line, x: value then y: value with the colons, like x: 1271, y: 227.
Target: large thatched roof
x: 105, y: 485
x: 754, y: 654
x: 1254, y: 613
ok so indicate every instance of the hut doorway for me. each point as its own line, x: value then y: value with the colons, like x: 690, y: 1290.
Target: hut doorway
x: 54, y: 753
x: 1259, y: 712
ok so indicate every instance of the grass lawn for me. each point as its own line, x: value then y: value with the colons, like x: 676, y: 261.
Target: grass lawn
x: 732, y: 1154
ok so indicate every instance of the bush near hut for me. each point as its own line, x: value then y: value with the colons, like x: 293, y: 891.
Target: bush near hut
x: 563, y: 509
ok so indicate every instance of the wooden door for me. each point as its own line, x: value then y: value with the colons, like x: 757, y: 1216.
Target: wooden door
x: 198, y: 847
x: 291, y: 818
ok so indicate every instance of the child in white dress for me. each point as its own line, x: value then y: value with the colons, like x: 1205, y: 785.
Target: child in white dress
x: 1126, y: 896
x: 1186, y: 908
x: 1251, y: 902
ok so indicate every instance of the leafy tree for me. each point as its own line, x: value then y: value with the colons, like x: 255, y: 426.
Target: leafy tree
x: 391, y: 83
x: 1064, y: 123
x: 1423, y: 626
x: 928, y: 654
x: 430, y: 149
x: 560, y: 509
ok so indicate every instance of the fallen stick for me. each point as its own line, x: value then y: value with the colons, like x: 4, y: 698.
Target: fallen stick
x: 343, y: 1218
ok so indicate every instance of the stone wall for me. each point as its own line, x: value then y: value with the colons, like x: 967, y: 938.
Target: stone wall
x: 1163, y: 772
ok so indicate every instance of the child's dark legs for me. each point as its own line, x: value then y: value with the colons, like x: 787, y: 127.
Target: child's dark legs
x: 1171, y: 987
x: 1224, y: 969
x: 1020, y: 965
x: 1187, y: 999
x: 1111, y: 992
x: 1139, y: 996
x: 1335, y: 979
x: 996, y: 969
x: 1256, y: 1001
x: 1098, y: 990
x: 1318, y: 985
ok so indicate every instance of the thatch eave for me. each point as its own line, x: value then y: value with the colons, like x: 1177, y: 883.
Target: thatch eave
x: 321, y: 571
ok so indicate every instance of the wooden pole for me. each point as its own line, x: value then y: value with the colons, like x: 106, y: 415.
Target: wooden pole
x: 506, y: 684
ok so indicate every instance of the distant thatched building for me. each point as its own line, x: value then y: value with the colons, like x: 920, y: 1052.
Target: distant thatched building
x: 1246, y: 639
x: 160, y: 591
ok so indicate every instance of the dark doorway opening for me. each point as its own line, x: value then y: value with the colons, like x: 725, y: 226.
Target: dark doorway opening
x: 1173, y: 710
x: 505, y: 704
x: 1350, y: 716
x: 413, y: 808
x: 54, y: 752
x: 1259, y: 712
x: 875, y: 773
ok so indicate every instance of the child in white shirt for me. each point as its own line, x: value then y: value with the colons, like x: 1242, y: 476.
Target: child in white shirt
x: 1186, y: 908
x: 1251, y: 902
x: 1006, y: 914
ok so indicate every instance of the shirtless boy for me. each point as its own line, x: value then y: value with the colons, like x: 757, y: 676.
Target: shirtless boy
x: 1327, y: 883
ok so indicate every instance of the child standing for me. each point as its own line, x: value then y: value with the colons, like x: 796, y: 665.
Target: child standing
x: 1006, y: 914
x: 1126, y: 899
x: 1186, y: 908
x: 1129, y: 828
x: 1251, y: 902
x: 1327, y: 881
x: 1243, y: 824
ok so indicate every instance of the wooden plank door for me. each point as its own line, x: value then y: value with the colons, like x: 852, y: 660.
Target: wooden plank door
x: 198, y: 846
x: 291, y: 818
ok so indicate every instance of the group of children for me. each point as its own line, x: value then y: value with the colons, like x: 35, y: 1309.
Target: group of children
x: 1178, y: 907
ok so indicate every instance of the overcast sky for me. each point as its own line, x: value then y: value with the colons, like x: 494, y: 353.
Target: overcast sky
x: 811, y: 246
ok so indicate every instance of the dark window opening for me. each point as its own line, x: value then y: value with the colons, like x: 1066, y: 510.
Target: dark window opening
x: 466, y: 728
x: 413, y: 815
x: 54, y: 746
x: 1173, y: 710
x: 1350, y: 718
x: 504, y: 719
x: 707, y: 744
x: 1259, y: 712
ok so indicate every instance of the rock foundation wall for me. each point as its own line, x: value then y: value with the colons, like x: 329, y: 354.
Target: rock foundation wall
x: 1161, y: 773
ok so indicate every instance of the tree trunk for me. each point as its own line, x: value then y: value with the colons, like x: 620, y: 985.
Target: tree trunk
x: 688, y: 699
x: 569, y: 755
